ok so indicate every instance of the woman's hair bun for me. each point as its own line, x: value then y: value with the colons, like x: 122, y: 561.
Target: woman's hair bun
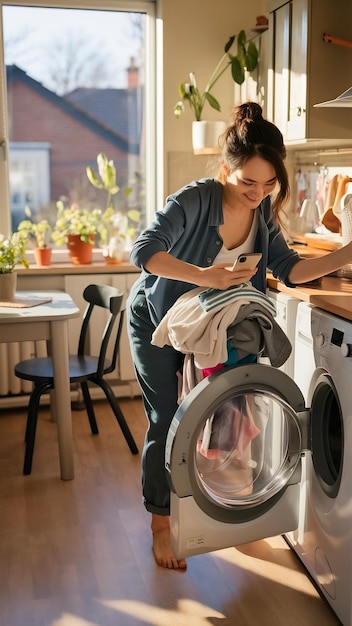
x: 247, y: 111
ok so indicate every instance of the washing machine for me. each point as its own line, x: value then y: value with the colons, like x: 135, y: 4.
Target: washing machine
x: 244, y: 484
x: 250, y: 455
x: 323, y: 539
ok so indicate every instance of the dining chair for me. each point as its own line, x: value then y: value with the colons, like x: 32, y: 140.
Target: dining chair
x: 83, y: 368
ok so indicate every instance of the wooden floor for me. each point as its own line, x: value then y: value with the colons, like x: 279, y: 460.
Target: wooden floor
x: 77, y: 553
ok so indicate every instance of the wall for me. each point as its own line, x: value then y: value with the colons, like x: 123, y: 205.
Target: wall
x: 194, y: 36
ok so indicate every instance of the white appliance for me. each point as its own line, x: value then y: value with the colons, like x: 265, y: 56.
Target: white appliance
x: 286, y: 312
x: 245, y: 484
x: 323, y: 371
x: 269, y: 464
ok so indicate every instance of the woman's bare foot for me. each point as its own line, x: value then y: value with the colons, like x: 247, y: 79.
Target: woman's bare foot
x: 163, y: 553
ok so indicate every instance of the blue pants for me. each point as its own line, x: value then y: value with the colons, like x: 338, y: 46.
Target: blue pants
x: 156, y: 373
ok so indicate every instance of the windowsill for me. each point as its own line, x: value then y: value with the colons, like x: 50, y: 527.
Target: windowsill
x: 61, y: 264
x: 61, y: 255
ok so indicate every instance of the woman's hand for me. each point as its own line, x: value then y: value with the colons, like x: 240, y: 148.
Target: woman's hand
x: 222, y: 276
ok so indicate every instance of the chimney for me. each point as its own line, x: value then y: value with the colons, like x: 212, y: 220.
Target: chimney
x: 133, y: 74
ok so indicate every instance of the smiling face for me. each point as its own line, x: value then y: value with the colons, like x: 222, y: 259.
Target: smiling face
x: 251, y: 184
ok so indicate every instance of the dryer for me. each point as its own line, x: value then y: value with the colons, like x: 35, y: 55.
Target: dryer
x: 323, y: 540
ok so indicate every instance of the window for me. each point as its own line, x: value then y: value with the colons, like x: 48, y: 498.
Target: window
x: 76, y: 82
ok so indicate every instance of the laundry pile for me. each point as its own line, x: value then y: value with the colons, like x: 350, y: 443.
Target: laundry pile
x: 209, y: 323
x: 215, y: 329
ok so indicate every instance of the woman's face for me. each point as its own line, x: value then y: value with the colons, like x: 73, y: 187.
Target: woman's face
x: 252, y: 183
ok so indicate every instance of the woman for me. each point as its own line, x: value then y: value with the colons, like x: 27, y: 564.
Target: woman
x: 194, y: 241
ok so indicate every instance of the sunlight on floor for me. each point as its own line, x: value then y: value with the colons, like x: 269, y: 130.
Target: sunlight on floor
x: 186, y: 610
x: 272, y: 570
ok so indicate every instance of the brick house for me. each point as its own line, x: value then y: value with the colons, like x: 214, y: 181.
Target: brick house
x: 68, y: 132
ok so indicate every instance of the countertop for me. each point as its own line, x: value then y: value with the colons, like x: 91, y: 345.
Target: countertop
x: 332, y: 294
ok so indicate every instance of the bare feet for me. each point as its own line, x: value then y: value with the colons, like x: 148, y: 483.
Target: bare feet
x: 163, y: 553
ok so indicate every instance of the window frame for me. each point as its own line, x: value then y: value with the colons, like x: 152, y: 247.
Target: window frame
x: 153, y: 102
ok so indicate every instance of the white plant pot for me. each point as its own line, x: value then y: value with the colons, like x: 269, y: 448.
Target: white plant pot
x: 206, y: 135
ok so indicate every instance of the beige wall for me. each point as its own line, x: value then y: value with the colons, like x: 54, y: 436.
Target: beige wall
x: 194, y: 36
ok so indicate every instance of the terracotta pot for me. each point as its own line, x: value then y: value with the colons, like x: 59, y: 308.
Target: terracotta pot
x: 81, y: 252
x: 42, y: 256
x: 8, y: 284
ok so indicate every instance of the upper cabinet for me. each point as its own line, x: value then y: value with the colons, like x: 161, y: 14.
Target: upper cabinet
x: 303, y: 70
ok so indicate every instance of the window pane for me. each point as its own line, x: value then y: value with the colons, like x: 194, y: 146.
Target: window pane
x: 75, y: 88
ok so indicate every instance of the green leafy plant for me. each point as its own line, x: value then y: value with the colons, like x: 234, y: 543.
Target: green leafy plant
x: 113, y: 223
x: 72, y: 220
x: 245, y: 59
x: 40, y: 231
x: 12, y: 252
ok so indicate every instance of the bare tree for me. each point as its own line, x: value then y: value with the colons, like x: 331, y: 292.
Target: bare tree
x: 18, y: 46
x: 78, y: 61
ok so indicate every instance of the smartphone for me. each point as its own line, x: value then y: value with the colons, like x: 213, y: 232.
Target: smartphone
x: 247, y: 261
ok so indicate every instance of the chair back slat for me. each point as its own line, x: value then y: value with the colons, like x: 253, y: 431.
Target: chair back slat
x: 109, y: 298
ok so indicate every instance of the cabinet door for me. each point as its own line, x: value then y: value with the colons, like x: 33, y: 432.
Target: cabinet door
x: 304, y: 70
x: 281, y: 62
x: 297, y: 86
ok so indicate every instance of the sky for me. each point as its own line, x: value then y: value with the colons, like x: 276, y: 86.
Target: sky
x: 32, y: 35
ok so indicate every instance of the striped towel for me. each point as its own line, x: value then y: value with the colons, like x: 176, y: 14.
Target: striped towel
x: 213, y: 299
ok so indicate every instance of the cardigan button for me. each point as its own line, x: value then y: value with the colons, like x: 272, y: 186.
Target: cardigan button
x: 218, y: 243
x: 209, y: 260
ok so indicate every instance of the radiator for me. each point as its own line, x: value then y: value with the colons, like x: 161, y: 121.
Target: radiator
x: 10, y: 355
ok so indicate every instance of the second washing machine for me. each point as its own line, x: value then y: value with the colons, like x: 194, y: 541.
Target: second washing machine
x: 323, y: 371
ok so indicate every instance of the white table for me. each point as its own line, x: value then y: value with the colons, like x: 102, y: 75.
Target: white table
x: 50, y: 322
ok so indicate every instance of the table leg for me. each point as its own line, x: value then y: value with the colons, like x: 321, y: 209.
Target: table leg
x: 59, y: 344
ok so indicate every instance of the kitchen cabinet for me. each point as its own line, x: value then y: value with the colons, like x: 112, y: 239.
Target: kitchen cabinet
x: 303, y: 70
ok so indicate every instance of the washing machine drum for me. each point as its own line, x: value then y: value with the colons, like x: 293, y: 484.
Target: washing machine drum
x: 235, y: 442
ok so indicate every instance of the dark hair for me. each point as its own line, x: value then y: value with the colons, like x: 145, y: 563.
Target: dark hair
x: 249, y: 135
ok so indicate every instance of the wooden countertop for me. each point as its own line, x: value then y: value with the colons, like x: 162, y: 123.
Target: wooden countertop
x: 332, y: 294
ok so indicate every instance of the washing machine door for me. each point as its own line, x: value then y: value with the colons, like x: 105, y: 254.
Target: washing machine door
x: 236, y: 441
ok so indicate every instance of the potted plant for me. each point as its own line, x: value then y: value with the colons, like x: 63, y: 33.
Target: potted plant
x: 12, y: 253
x: 41, y: 231
x: 114, y: 227
x: 77, y: 228
x: 245, y: 59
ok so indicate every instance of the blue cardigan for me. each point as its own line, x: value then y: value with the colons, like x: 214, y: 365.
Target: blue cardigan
x: 187, y: 228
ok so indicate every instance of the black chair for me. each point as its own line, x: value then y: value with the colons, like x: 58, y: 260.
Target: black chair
x: 82, y: 368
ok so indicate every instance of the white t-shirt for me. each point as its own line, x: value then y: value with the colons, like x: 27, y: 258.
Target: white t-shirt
x: 230, y: 256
